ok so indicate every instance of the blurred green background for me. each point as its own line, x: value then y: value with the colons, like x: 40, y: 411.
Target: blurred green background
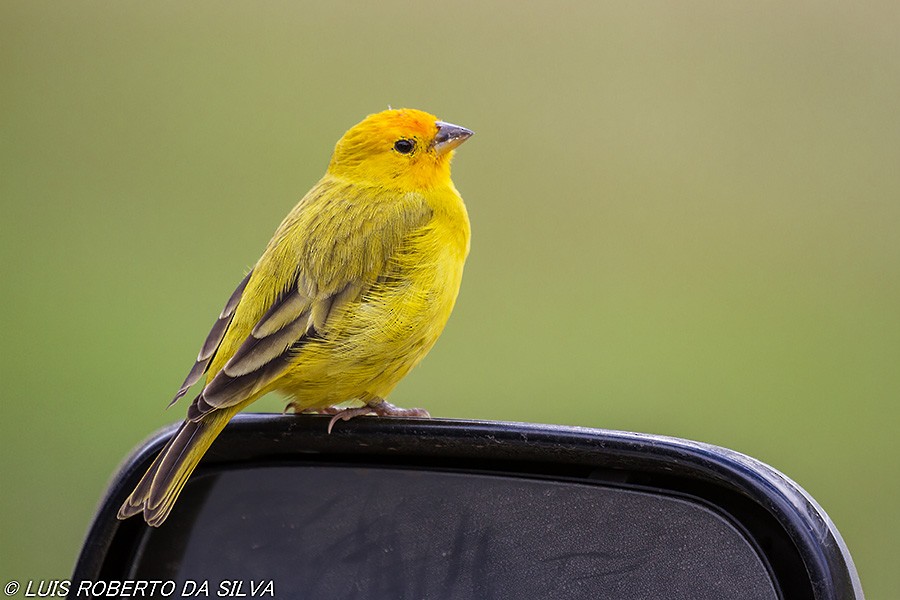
x: 686, y: 221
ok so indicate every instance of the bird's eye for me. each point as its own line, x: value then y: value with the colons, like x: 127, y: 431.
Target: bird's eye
x: 404, y: 146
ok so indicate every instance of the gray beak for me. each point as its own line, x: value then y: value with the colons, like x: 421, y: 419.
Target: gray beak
x: 449, y: 136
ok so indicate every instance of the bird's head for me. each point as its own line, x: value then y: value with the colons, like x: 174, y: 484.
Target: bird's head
x: 404, y: 148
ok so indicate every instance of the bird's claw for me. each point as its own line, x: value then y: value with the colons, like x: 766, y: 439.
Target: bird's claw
x: 380, y: 408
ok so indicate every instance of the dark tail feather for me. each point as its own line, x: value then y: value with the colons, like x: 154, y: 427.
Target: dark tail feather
x: 159, y: 488
x: 135, y: 502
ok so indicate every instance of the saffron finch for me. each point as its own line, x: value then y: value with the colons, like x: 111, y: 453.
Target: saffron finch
x: 351, y: 293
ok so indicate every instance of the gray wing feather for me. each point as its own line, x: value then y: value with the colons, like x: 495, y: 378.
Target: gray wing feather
x: 227, y: 391
x: 282, y: 313
x: 213, y: 340
x: 258, y: 351
x: 259, y: 360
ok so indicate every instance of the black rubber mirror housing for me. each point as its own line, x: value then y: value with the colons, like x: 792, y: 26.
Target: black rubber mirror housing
x: 433, y: 508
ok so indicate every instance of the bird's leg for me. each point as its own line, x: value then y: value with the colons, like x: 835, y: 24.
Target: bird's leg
x: 326, y: 410
x: 294, y: 407
x: 378, y: 407
x: 383, y: 408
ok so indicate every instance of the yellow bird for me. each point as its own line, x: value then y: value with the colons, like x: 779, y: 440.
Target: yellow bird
x: 352, y: 291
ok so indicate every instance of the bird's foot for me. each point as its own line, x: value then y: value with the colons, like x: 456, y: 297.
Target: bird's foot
x: 377, y: 407
x: 324, y: 410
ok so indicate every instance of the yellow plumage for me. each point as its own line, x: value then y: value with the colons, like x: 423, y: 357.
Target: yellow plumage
x: 352, y: 291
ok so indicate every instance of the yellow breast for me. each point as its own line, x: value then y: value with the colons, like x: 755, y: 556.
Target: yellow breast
x: 375, y: 341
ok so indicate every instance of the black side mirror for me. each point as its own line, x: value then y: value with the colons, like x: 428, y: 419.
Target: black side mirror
x: 391, y: 508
